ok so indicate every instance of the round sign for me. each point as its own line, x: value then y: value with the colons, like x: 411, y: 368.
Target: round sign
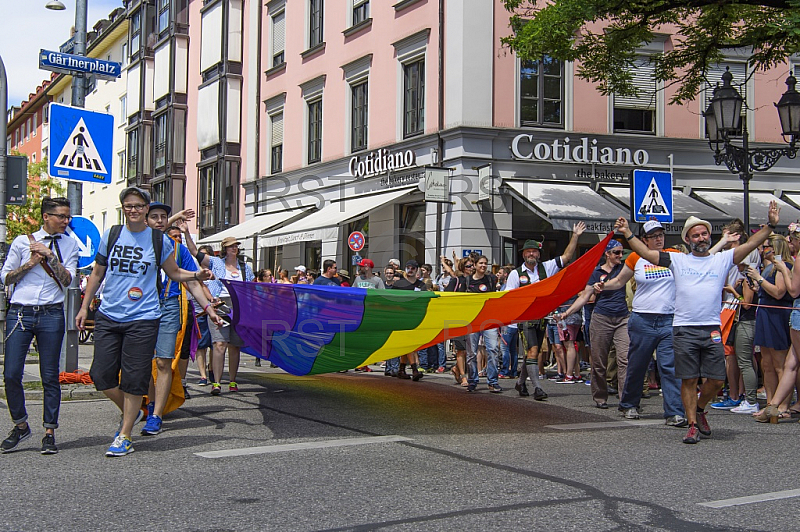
x: 356, y: 240
x: 86, y: 234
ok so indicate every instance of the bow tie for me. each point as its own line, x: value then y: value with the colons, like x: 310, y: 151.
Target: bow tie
x: 52, y: 237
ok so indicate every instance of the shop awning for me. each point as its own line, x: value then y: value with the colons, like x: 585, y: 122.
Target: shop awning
x: 323, y: 224
x: 731, y: 201
x: 793, y: 197
x: 565, y: 204
x: 683, y: 206
x: 254, y: 226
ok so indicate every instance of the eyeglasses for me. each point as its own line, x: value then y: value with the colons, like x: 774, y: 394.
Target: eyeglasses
x: 138, y: 207
x: 61, y: 217
x: 469, y: 265
x: 657, y: 235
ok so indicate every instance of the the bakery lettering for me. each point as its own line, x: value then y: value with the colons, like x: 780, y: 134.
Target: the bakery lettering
x: 128, y: 259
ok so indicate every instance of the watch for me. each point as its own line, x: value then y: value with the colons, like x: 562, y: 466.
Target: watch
x: 773, y: 227
x: 760, y: 281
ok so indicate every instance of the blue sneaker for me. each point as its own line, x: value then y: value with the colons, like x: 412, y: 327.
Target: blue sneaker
x: 151, y: 407
x: 152, y: 427
x: 121, y: 446
x: 727, y: 404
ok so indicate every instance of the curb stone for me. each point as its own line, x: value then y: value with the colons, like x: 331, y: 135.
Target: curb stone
x: 69, y: 392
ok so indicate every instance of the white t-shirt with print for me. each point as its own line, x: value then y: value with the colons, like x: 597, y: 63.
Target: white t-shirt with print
x: 655, y: 286
x: 698, y: 287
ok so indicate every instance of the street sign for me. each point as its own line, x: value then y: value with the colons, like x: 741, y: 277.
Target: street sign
x: 81, y: 142
x: 86, y: 234
x: 356, y: 259
x: 356, y: 241
x: 69, y: 64
x: 651, y: 196
x: 465, y: 253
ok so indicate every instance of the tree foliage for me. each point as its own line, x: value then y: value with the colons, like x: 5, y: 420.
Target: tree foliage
x: 26, y: 219
x: 604, y: 36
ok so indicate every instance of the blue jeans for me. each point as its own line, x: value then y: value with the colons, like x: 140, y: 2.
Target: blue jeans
x: 648, y: 333
x: 508, y: 348
x: 442, y: 355
x: 392, y: 365
x: 47, y: 324
x: 490, y: 338
x: 429, y: 357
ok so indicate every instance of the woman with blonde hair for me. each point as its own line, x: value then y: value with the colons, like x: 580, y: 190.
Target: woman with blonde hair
x: 458, y: 283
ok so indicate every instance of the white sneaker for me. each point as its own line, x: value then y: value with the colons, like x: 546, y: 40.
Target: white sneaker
x: 745, y: 408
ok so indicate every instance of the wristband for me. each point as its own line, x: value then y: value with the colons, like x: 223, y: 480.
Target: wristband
x: 773, y: 227
x: 207, y: 305
x: 630, y: 237
x: 195, y: 276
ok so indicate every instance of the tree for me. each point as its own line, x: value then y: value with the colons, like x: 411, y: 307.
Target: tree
x: 26, y: 219
x: 603, y: 36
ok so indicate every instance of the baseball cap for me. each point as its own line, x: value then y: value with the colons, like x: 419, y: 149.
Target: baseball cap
x: 366, y: 263
x: 412, y: 264
x: 162, y: 206
x: 651, y: 225
x: 227, y: 241
x: 136, y: 191
x: 691, y: 222
x: 300, y: 268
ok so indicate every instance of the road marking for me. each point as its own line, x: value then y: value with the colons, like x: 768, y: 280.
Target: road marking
x: 323, y: 444
x: 605, y: 425
x: 738, y: 501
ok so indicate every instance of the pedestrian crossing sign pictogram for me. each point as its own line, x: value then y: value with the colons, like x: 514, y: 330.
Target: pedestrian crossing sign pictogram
x: 81, y: 144
x: 651, y: 196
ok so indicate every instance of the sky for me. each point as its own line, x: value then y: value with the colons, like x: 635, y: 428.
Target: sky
x: 26, y: 30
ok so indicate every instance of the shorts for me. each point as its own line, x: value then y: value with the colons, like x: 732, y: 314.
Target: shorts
x: 553, y: 337
x: 205, y: 335
x: 794, y: 317
x: 169, y: 329
x: 699, y: 352
x: 186, y: 345
x: 225, y: 334
x: 533, y: 334
x: 570, y: 334
x: 460, y: 343
x: 123, y: 354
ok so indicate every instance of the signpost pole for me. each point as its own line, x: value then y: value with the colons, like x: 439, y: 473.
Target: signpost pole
x: 3, y: 167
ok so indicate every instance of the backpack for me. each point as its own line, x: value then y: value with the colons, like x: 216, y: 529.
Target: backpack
x: 158, y: 244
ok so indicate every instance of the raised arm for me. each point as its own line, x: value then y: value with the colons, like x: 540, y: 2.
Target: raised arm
x: 190, y: 245
x: 569, y: 253
x: 650, y: 255
x: 726, y: 239
x: 791, y: 281
x: 776, y: 289
x: 757, y: 239
x: 185, y: 215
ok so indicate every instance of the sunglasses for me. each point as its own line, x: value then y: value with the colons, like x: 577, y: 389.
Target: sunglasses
x: 469, y: 265
x: 616, y: 252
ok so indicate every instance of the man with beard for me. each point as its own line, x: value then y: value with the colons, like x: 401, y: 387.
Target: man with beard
x: 532, y: 271
x: 699, y: 280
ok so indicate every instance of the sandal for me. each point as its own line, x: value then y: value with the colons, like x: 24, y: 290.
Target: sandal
x: 456, y: 376
x: 464, y: 382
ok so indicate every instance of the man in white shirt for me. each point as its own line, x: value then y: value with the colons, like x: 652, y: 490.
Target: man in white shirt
x: 699, y: 280
x: 41, y: 267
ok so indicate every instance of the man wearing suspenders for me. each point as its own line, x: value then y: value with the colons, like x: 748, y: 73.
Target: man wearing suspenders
x: 40, y: 266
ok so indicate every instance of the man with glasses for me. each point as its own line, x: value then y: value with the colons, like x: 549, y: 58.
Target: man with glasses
x: 699, y: 280
x: 410, y: 282
x: 533, y: 271
x: 328, y: 275
x: 650, y: 328
x: 127, y: 323
x: 40, y: 266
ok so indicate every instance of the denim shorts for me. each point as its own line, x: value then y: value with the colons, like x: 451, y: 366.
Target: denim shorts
x: 169, y: 328
x: 794, y: 318
x: 552, y: 334
x: 225, y: 334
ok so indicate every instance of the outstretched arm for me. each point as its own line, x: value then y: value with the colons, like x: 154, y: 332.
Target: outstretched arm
x: 580, y: 302
x: 757, y: 239
x: 190, y: 245
x: 617, y: 282
x: 569, y: 253
x: 650, y: 255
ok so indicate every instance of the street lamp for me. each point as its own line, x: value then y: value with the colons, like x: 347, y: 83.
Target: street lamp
x: 55, y: 5
x: 724, y: 121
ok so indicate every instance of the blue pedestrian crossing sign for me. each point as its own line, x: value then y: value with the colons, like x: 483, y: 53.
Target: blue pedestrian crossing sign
x: 86, y: 234
x: 651, y: 196
x: 81, y: 144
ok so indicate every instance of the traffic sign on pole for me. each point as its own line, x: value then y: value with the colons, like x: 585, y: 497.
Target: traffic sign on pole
x: 81, y: 144
x: 84, y: 231
x: 69, y: 64
x: 651, y: 196
x: 356, y: 241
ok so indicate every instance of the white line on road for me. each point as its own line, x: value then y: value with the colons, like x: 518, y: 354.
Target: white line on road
x: 323, y: 444
x: 605, y: 425
x: 738, y: 501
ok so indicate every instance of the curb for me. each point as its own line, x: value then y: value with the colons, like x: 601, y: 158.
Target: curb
x: 69, y: 392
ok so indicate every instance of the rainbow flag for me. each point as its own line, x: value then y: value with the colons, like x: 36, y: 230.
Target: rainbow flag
x: 307, y: 330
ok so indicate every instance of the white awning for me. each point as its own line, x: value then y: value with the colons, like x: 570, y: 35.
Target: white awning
x: 732, y: 202
x: 323, y: 224
x: 683, y: 206
x: 793, y: 197
x: 564, y: 204
x: 255, y: 225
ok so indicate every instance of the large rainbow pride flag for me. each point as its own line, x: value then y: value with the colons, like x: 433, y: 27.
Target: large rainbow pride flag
x: 308, y: 330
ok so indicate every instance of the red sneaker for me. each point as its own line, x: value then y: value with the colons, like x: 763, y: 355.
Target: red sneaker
x: 702, y: 424
x: 693, y: 436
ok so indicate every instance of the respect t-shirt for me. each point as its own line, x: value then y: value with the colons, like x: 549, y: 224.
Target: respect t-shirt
x: 698, y: 287
x: 655, y: 286
x: 130, y: 291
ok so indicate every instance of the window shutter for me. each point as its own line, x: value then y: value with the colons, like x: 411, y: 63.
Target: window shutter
x: 278, y: 32
x: 714, y: 76
x: 645, y: 82
x: 277, y: 130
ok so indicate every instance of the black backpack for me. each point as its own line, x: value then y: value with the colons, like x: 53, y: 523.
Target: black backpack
x: 158, y: 244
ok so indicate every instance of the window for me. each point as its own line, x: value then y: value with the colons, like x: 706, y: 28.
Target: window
x: 541, y: 91
x: 108, y: 109
x: 123, y: 110
x: 33, y: 157
x: 276, y: 148
x: 27, y: 129
x: 315, y: 131
x: 34, y: 119
x: 714, y: 76
x: 160, y: 192
x: 179, y: 136
x: 119, y: 216
x: 16, y: 137
x: 136, y: 32
x: 163, y: 15
x: 278, y: 38
x: 414, y: 98
x: 160, y: 140
x: 637, y: 114
x: 133, y: 153
x: 230, y: 198
x: 360, y: 11
x: 358, y: 135
x: 207, y: 195
x: 45, y: 114
x: 315, y: 23
x: 124, y: 53
x: 104, y: 216
x: 121, y: 165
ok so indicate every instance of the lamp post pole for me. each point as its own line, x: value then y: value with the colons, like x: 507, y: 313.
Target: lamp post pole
x: 3, y: 212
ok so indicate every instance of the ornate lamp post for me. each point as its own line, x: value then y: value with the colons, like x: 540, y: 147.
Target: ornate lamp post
x: 724, y: 123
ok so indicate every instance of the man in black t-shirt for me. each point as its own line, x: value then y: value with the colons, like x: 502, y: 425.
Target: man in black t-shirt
x: 482, y: 282
x: 410, y: 282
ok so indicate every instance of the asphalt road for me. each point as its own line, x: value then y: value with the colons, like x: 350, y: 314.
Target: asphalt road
x: 364, y: 452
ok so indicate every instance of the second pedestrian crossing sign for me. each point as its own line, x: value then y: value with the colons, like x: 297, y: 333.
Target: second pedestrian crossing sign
x: 81, y: 144
x: 651, y: 196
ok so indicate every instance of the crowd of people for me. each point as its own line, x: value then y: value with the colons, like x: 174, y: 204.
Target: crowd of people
x: 685, y: 321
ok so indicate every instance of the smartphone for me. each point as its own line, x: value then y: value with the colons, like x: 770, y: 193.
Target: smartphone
x: 778, y: 257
